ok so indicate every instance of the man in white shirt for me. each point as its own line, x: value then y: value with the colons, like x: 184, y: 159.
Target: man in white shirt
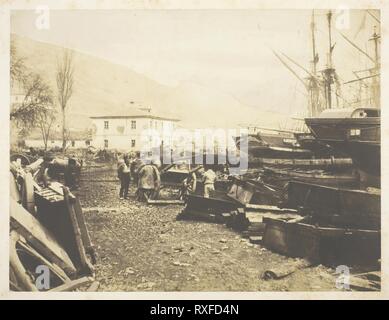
x: 209, y: 178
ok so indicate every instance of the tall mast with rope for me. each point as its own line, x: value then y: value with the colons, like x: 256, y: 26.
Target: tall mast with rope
x: 314, y: 104
x: 376, y: 70
x: 314, y: 56
x: 328, y: 73
x: 373, y: 72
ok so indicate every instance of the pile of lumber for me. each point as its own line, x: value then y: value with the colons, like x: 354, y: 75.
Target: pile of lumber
x: 50, y: 247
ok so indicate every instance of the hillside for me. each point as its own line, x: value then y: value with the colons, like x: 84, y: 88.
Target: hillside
x: 101, y: 85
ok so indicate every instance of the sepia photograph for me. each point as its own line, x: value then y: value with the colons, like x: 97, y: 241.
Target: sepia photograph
x: 194, y: 150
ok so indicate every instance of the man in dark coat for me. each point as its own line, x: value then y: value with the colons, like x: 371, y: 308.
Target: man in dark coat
x: 124, y: 177
x: 149, y: 182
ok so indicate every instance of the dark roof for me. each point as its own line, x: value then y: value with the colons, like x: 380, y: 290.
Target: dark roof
x: 133, y: 113
x: 134, y: 117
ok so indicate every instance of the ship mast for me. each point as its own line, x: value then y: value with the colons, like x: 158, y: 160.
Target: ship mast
x: 314, y: 107
x: 329, y: 17
x: 375, y: 71
x: 328, y: 73
x: 314, y: 57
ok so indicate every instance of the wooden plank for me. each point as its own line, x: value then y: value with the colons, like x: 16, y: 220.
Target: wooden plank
x: 58, y: 188
x: 360, y: 284
x: 28, y: 200
x: 72, y: 285
x: 89, y: 249
x: 165, y: 201
x: 77, y: 232
x: 267, y: 208
x: 255, y: 239
x: 99, y: 180
x: 198, y: 215
x: 45, y: 192
x: 17, y: 269
x: 40, y: 238
x: 53, y: 267
x: 371, y: 275
x: 14, y: 191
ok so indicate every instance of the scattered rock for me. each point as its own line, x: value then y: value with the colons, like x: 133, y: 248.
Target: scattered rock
x: 194, y: 278
x: 129, y: 271
x: 181, y: 264
x: 178, y: 249
x: 145, y: 285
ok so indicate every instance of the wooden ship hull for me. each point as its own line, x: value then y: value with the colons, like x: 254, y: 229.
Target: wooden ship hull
x: 282, y: 177
x: 360, y: 138
x: 258, y: 148
x: 280, y: 152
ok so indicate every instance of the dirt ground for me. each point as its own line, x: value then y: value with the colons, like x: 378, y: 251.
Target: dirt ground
x: 144, y: 248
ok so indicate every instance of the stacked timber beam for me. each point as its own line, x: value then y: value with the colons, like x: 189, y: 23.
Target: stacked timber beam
x: 47, y: 232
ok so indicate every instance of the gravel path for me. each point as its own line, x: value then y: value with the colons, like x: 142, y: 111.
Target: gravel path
x: 144, y: 248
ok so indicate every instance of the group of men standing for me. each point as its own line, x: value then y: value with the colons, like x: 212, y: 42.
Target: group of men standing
x: 146, y: 176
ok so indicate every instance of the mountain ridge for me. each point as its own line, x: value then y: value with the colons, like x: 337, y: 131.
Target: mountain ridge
x: 101, y: 85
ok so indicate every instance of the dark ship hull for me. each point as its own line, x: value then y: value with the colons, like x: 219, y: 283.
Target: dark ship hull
x: 359, y: 137
x: 274, y: 147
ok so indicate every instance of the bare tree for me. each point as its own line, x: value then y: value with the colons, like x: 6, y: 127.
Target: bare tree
x: 45, y: 121
x: 36, y: 109
x: 17, y: 66
x: 37, y: 101
x: 65, y: 72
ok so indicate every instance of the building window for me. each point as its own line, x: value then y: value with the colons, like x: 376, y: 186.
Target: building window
x: 73, y: 143
x: 133, y: 143
x: 355, y: 132
x: 106, y: 125
x: 133, y: 124
x: 87, y: 143
x: 105, y: 143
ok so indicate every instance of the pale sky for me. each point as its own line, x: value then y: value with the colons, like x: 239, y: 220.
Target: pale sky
x: 226, y: 50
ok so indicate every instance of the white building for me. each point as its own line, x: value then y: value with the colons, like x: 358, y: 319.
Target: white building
x: 126, y: 132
